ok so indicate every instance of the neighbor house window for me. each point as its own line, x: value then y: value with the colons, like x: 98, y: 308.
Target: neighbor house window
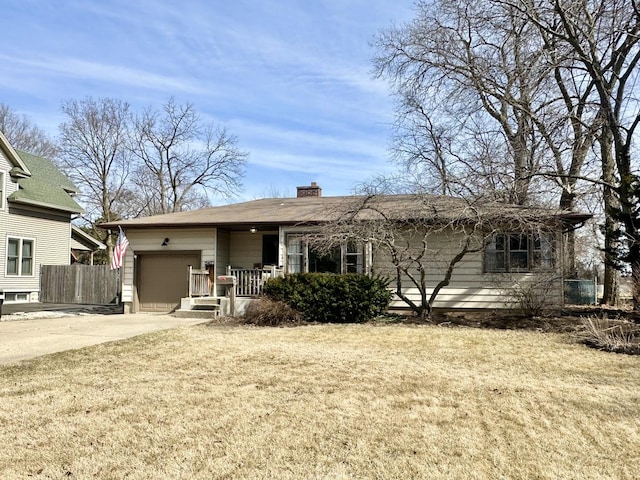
x: 519, y: 252
x: 20, y: 256
x: 301, y: 257
x: 16, y: 296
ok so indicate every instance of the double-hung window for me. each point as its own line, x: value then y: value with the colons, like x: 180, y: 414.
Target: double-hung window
x: 353, y: 258
x: 295, y: 254
x: 519, y: 252
x: 20, y: 256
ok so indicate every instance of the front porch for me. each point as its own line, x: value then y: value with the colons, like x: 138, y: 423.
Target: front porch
x: 182, y: 269
x: 240, y: 287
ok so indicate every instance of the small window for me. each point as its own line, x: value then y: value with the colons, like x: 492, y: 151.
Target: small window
x: 20, y: 256
x: 519, y: 252
x: 16, y: 297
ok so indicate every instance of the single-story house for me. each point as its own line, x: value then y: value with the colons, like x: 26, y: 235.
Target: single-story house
x: 171, y: 255
x: 36, y: 208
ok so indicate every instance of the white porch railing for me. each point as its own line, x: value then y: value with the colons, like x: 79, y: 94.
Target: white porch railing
x: 250, y: 282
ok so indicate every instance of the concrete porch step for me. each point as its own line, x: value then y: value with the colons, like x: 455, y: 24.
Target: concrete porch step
x: 205, y: 306
x: 205, y: 301
x: 199, y: 307
x: 205, y: 314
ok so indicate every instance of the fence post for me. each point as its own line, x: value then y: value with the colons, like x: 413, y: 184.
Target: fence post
x: 78, y: 283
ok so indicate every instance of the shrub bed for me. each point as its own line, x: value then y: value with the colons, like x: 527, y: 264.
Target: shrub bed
x: 330, y: 298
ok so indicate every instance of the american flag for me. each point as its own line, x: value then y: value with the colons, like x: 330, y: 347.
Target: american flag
x: 118, y: 250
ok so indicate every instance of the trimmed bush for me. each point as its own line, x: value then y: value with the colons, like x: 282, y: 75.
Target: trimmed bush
x: 330, y: 298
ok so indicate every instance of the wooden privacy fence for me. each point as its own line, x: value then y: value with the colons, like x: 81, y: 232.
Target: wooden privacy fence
x: 77, y: 283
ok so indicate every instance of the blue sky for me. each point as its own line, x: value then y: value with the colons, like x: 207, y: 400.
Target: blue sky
x: 292, y: 79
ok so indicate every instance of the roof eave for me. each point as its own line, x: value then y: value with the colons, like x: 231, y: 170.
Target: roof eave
x: 124, y: 225
x: 13, y: 156
x: 88, y: 238
x: 50, y: 206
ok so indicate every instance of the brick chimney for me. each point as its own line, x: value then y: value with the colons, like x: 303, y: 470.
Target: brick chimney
x: 311, y: 191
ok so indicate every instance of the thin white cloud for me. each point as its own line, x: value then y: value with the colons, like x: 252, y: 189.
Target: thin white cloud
x: 119, y: 74
x: 291, y: 79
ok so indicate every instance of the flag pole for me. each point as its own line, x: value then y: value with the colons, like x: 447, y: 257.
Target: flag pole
x: 118, y: 285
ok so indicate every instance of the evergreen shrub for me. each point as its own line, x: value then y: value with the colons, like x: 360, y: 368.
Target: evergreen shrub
x: 330, y: 298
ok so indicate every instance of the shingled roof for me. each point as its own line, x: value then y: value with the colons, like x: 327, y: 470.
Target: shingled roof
x: 45, y: 185
x: 318, y: 210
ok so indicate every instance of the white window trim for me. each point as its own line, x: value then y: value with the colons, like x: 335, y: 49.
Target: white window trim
x: 17, y: 292
x: 304, y: 254
x: 33, y: 258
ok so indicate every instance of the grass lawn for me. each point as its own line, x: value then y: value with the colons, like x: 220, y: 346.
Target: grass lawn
x: 338, y: 402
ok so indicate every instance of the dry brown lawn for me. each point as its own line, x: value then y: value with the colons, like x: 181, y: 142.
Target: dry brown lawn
x: 336, y: 402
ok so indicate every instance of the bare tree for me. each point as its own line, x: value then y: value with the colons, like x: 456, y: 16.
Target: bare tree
x: 94, y: 153
x: 602, y: 40
x: 24, y: 134
x: 556, y: 77
x: 421, y: 240
x: 182, y: 161
x: 458, y: 62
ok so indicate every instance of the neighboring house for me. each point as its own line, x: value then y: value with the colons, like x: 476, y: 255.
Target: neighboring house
x: 36, y: 206
x: 260, y: 238
x: 84, y: 244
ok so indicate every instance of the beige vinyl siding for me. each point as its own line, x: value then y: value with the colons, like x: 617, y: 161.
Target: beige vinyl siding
x: 246, y: 249
x: 201, y: 240
x: 223, y: 257
x: 470, y: 287
x: 223, y: 251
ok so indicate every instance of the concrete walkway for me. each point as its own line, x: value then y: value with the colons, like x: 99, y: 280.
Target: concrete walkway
x: 24, y: 339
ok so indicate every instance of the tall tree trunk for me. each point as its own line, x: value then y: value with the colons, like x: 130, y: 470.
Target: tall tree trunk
x: 566, y: 203
x: 611, y: 241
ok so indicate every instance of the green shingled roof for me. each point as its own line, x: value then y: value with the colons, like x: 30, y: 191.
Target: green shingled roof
x: 46, y: 187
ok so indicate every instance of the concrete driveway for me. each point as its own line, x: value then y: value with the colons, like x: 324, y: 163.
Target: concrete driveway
x: 24, y: 339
